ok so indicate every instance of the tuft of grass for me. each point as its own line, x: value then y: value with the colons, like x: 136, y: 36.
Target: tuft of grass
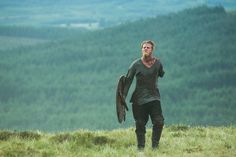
x: 178, y: 140
x: 79, y: 139
x: 28, y: 135
x: 179, y: 127
x: 5, y: 135
x: 60, y: 138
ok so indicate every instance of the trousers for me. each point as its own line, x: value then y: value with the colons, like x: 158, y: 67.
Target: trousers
x: 141, y: 114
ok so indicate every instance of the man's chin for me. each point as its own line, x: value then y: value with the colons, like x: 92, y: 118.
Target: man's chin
x: 146, y: 54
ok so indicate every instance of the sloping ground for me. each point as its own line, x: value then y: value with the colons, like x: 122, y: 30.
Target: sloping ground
x: 176, y: 141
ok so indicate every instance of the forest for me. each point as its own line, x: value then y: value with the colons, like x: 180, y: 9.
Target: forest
x: 56, y: 79
x: 92, y: 14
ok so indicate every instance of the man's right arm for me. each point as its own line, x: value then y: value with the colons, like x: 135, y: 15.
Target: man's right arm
x: 128, y: 80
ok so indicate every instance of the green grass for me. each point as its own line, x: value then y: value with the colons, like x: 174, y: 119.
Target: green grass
x: 176, y: 141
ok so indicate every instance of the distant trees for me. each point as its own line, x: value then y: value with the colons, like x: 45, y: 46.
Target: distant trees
x: 69, y: 80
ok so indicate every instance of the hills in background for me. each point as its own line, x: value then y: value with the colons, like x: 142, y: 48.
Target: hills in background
x: 93, y: 14
x: 63, y: 79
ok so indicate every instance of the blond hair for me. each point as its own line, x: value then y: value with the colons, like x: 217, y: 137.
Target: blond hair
x: 148, y: 42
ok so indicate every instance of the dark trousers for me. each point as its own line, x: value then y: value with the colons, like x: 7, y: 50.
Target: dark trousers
x: 141, y: 115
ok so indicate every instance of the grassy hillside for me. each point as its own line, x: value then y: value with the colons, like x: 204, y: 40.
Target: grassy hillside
x: 176, y: 141
x: 66, y: 79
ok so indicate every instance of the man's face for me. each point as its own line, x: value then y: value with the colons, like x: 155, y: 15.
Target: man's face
x: 147, y: 50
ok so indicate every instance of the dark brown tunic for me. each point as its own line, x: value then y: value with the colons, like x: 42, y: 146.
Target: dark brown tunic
x: 146, y: 89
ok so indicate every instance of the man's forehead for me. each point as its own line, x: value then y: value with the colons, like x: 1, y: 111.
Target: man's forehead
x: 147, y: 44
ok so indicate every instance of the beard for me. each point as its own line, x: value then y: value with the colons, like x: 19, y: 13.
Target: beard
x: 147, y: 56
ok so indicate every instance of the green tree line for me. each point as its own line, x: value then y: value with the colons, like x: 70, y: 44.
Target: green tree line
x: 70, y: 82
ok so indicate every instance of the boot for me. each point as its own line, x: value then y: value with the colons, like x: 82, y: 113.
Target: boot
x: 141, y: 141
x: 156, y: 135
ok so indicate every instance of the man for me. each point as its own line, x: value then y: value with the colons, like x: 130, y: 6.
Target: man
x: 146, y: 97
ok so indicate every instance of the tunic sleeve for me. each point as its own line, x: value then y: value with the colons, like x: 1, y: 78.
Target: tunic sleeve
x: 129, y: 79
x: 161, y: 71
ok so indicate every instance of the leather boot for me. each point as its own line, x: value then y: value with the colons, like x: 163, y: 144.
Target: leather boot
x: 156, y: 135
x: 141, y: 141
